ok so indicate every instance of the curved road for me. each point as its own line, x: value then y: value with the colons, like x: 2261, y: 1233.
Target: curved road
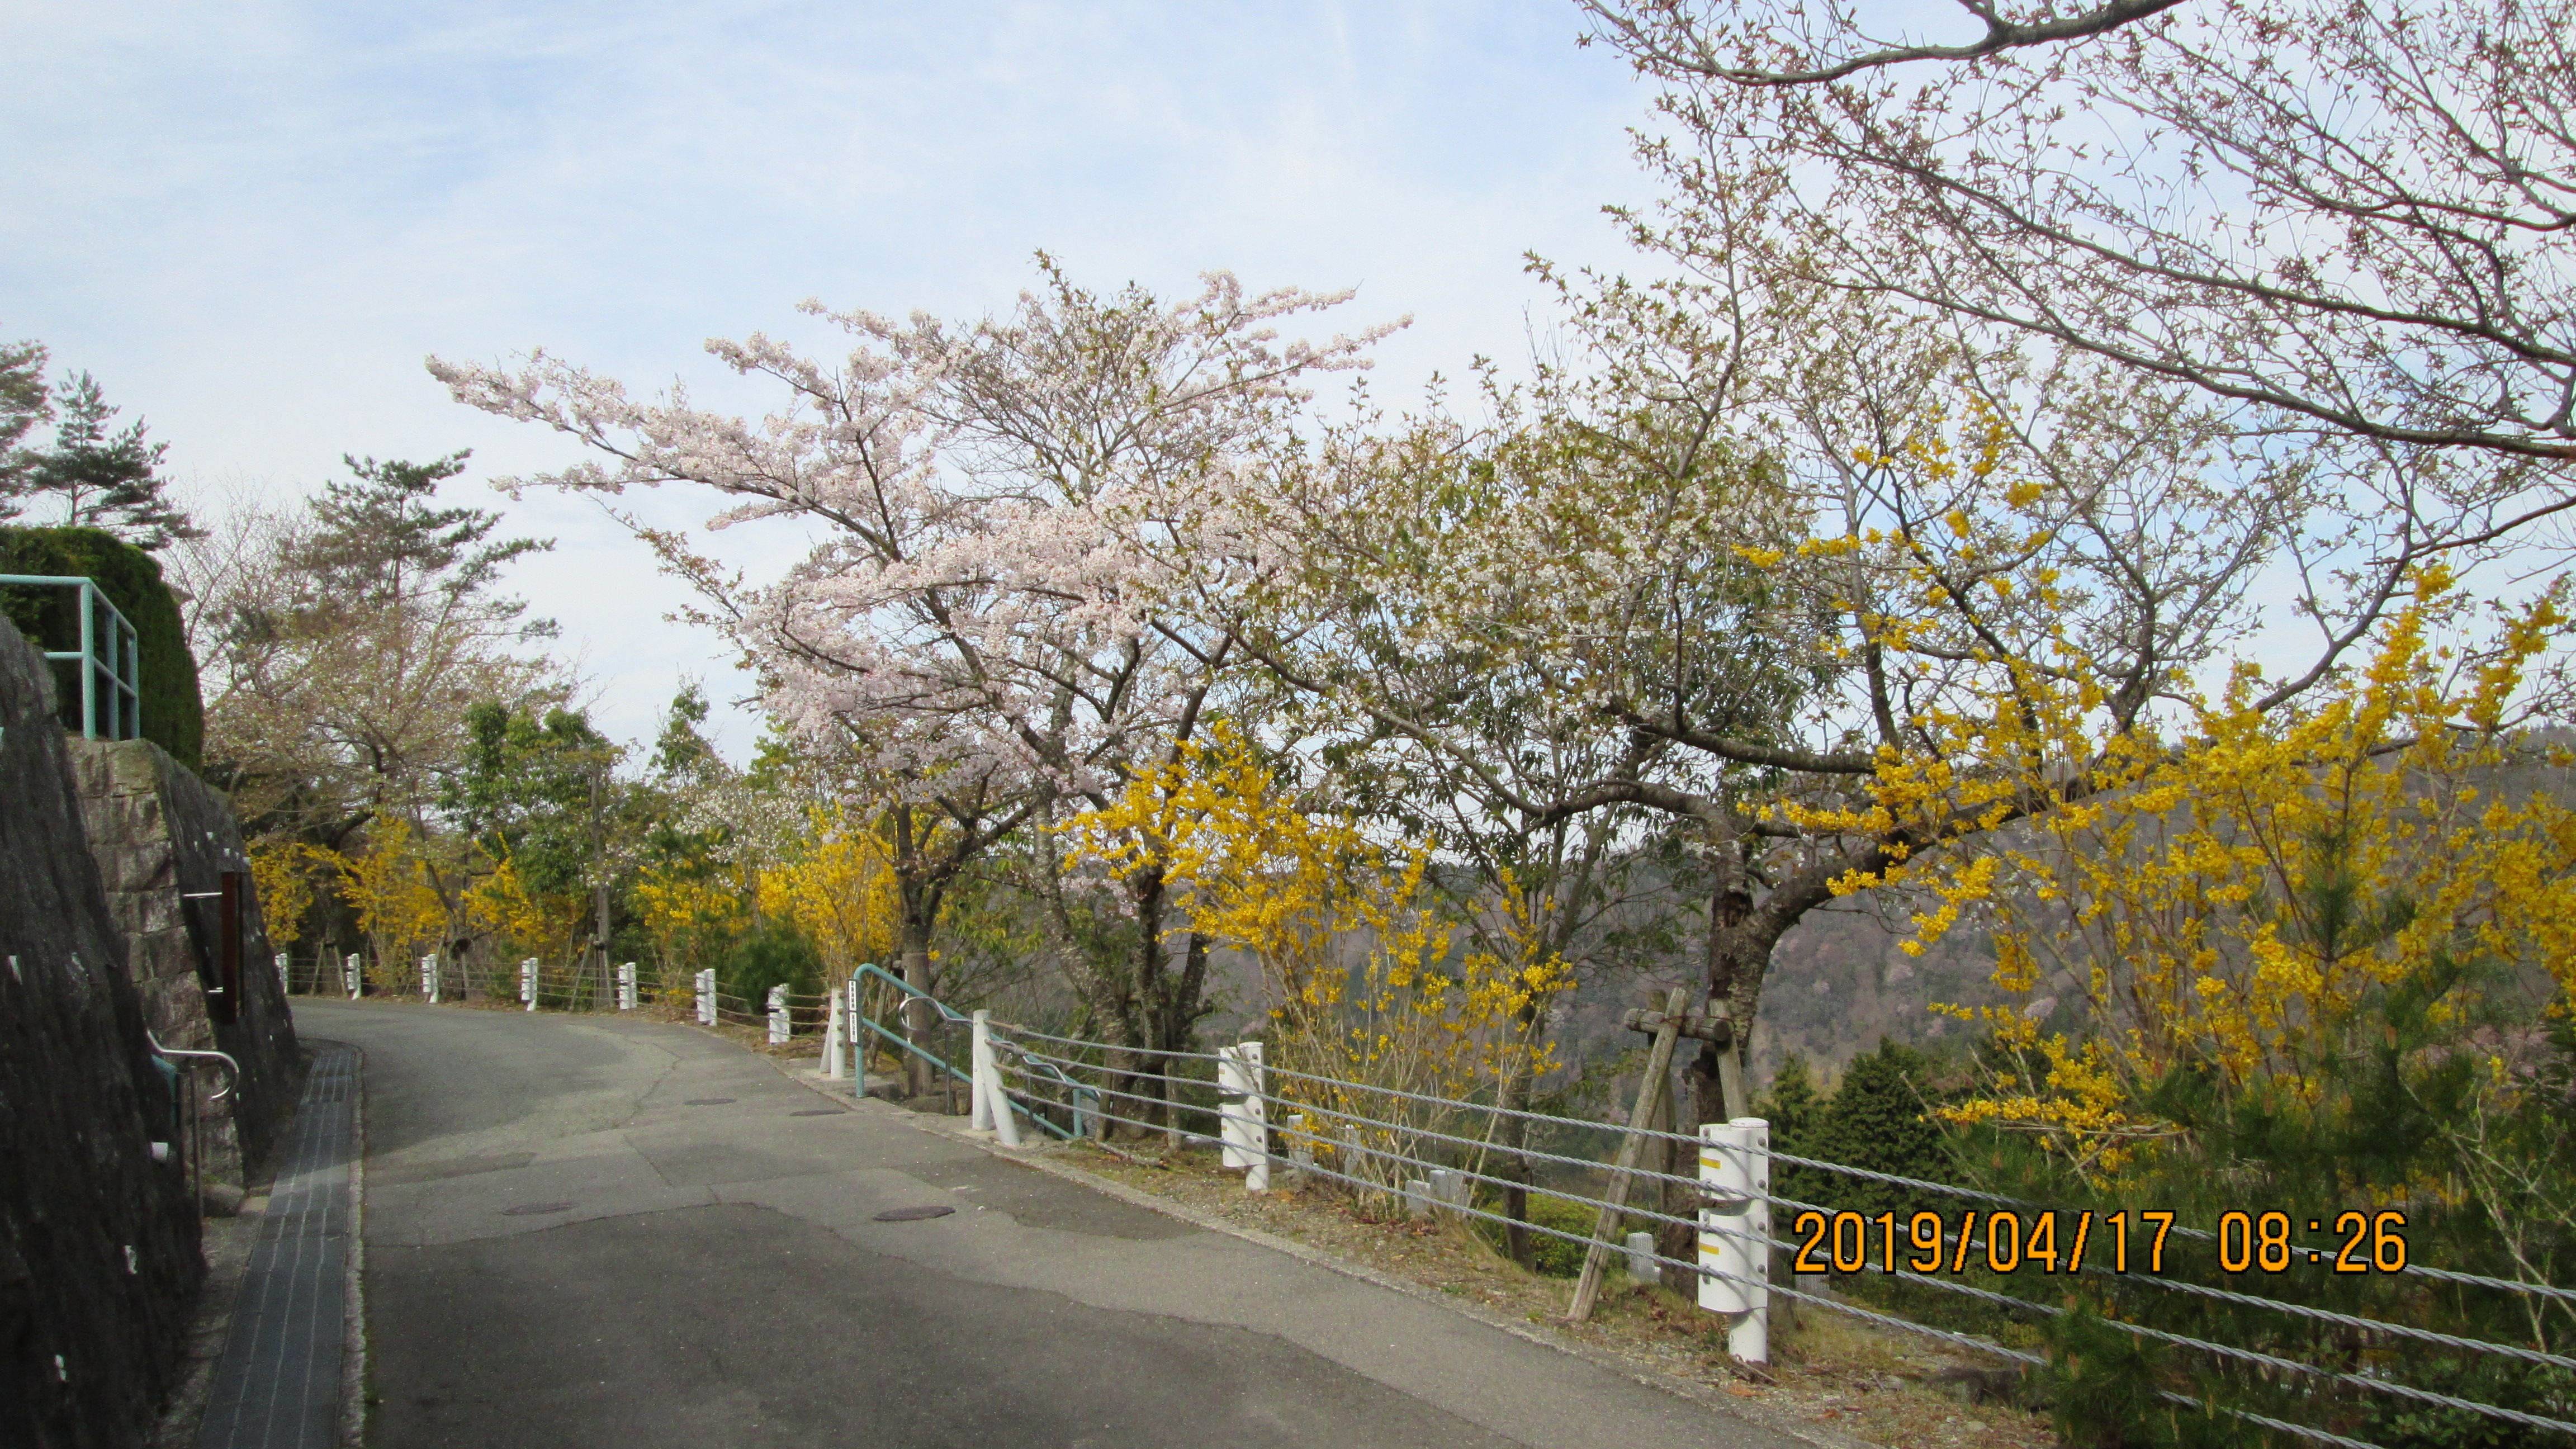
x: 582, y: 1231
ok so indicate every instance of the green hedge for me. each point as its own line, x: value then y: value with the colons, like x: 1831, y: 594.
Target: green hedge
x: 174, y: 715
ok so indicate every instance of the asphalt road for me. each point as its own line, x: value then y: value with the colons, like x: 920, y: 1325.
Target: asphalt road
x: 582, y: 1231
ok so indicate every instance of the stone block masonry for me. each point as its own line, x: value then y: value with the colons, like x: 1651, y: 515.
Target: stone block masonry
x: 163, y: 839
x: 99, y: 1260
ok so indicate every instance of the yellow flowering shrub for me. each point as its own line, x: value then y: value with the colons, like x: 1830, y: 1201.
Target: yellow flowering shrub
x: 1364, y: 977
x: 2252, y: 884
x: 388, y: 884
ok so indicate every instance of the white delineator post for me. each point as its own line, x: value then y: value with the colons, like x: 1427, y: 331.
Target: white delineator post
x: 1241, y: 1086
x: 349, y: 974
x: 704, y: 989
x: 528, y: 982
x: 429, y: 977
x: 285, y: 974
x: 833, y: 1027
x: 991, y: 1109
x: 1735, y: 1234
x: 778, y: 1032
x: 626, y: 999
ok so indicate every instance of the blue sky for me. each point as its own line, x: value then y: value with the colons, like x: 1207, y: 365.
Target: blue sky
x: 252, y: 221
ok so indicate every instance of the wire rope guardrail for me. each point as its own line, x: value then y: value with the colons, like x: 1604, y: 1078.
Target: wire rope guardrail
x: 1056, y: 1066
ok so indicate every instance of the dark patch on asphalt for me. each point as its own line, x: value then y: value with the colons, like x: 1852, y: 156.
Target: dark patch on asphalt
x: 707, y: 1102
x: 915, y: 1214
x: 532, y: 1209
x: 1036, y: 1200
x: 450, y: 1167
x: 822, y: 1112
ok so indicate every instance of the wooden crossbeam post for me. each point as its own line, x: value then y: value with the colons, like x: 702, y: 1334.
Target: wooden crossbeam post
x: 1668, y: 1025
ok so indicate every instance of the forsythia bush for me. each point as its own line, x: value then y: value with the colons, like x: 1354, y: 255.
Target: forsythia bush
x: 1365, y: 980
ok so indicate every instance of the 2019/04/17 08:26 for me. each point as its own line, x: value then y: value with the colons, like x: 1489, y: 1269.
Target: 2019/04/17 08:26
x: 2014, y: 1241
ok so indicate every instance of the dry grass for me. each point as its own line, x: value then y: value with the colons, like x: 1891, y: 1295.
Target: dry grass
x: 1827, y: 1369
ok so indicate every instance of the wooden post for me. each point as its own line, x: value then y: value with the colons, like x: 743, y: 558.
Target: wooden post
x: 1669, y: 1025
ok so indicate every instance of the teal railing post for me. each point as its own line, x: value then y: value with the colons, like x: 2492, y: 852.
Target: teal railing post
x: 89, y: 665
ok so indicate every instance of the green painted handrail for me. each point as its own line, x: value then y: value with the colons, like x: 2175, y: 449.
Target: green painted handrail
x: 879, y: 972
x: 111, y: 674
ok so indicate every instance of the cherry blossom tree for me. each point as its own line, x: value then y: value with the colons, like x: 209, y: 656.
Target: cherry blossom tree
x: 2351, y: 224
x: 1839, y: 594
x: 991, y: 503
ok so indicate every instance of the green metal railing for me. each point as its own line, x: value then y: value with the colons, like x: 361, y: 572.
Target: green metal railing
x: 110, y: 659
x: 948, y: 1016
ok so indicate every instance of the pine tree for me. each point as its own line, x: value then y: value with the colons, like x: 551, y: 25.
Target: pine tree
x: 378, y: 541
x: 1879, y: 1118
x: 103, y: 479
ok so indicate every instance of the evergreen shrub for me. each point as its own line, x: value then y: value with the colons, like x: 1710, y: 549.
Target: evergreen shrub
x: 174, y: 715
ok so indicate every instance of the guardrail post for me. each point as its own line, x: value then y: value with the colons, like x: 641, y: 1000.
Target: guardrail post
x: 626, y: 997
x: 706, y: 997
x: 429, y: 977
x: 991, y: 1105
x: 1256, y: 1129
x: 1301, y: 1149
x: 833, y: 1027
x: 778, y: 1032
x: 1086, y: 1112
x: 1243, y: 1117
x: 349, y: 974
x: 979, y: 1058
x: 528, y: 982
x: 1735, y: 1235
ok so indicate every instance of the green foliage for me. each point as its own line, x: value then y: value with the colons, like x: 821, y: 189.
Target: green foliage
x: 774, y: 955
x: 1550, y: 1256
x: 1879, y: 1118
x: 1795, y: 1110
x: 529, y: 790
x: 173, y: 713
x: 2446, y: 1093
x: 2393, y: 1423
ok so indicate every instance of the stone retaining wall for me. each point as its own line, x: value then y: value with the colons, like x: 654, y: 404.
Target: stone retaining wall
x: 99, y: 1261
x: 162, y: 839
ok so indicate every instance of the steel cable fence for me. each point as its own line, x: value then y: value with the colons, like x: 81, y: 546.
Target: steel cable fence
x: 1057, y: 1065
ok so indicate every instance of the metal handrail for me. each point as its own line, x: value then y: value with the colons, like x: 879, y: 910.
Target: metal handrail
x: 951, y: 1017
x: 119, y: 666
x: 195, y: 1147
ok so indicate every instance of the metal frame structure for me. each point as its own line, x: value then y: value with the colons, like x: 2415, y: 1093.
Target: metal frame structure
x: 110, y: 659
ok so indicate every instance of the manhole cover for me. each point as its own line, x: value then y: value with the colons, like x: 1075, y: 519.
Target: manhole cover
x: 531, y: 1209
x: 914, y: 1214
x: 817, y: 1112
x: 706, y: 1101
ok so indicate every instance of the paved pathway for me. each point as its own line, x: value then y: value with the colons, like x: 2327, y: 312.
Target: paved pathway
x: 583, y: 1231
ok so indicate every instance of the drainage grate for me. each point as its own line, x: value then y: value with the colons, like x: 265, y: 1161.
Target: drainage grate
x: 278, y: 1386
